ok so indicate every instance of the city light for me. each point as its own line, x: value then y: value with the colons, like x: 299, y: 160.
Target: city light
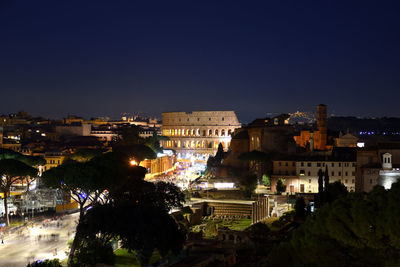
x: 224, y: 185
x: 133, y: 162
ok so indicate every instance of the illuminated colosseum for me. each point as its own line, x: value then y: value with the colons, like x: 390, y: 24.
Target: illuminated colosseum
x: 198, y: 133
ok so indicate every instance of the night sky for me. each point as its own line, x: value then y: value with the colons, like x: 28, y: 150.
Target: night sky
x: 97, y: 58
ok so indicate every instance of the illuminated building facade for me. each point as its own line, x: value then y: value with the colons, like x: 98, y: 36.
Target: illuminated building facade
x: 316, y: 139
x: 53, y: 159
x: 198, y: 132
x: 342, y: 171
x: 301, y: 176
x: 378, y: 164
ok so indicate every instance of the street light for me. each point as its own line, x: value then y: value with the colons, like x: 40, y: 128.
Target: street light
x: 133, y: 162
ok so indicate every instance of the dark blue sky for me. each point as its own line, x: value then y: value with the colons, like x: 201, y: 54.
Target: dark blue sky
x: 96, y: 58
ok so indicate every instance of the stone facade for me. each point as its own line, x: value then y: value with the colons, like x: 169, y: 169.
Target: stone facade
x: 307, y: 171
x: 269, y: 135
x: 301, y: 175
x: 198, y: 132
x: 316, y: 139
x: 370, y: 162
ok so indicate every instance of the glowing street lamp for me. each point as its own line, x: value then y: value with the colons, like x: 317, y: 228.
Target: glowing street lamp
x: 133, y: 162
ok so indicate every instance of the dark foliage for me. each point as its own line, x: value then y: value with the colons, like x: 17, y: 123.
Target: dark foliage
x: 280, y: 186
x: 300, y: 209
x: 93, y: 251
x: 45, y: 263
x: 249, y: 184
x: 354, y: 230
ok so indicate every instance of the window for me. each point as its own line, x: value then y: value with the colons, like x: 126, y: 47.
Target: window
x: 287, y: 173
x: 223, y: 118
x: 333, y: 173
x: 198, y: 119
x: 353, y: 173
x: 323, y: 164
x: 280, y: 163
x: 370, y: 181
x: 318, y: 164
x: 309, y: 173
x: 286, y: 164
x: 309, y: 164
x: 333, y: 164
x: 302, y: 164
x: 293, y: 163
x: 352, y: 181
x: 209, y: 119
x: 346, y: 174
x: 346, y: 181
x: 340, y: 164
x: 340, y: 173
x: 353, y: 164
x: 309, y: 180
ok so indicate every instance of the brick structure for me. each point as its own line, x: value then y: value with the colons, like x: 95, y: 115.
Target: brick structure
x: 198, y: 132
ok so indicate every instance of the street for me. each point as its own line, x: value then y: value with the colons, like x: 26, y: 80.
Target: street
x: 44, y: 240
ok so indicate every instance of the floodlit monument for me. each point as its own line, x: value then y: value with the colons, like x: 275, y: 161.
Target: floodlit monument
x: 388, y: 175
x: 198, y: 133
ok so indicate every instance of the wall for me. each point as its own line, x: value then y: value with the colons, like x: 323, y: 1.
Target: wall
x: 198, y: 131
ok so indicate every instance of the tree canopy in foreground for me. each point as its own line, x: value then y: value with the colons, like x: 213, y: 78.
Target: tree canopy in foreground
x: 357, y: 229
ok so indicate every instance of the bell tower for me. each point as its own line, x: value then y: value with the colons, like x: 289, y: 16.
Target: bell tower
x: 322, y: 127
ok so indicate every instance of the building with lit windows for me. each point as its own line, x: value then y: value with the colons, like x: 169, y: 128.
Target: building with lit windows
x: 300, y: 172
x: 199, y: 132
x: 53, y: 159
x: 377, y: 164
x: 342, y: 171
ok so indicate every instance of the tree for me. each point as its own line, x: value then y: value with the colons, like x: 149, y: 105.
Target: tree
x: 357, y: 229
x: 45, y: 263
x: 85, y: 154
x: 326, y: 178
x: 249, y: 184
x: 300, y: 208
x: 11, y: 171
x: 87, y: 182
x: 93, y: 251
x: 154, y: 142
x: 320, y: 187
x: 138, y: 152
x: 146, y: 227
x: 334, y: 191
x: 33, y: 161
x: 129, y: 135
x: 280, y: 186
x: 266, y: 180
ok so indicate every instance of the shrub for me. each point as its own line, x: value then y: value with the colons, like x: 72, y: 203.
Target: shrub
x: 45, y: 263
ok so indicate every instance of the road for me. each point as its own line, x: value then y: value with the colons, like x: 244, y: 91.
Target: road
x: 40, y: 241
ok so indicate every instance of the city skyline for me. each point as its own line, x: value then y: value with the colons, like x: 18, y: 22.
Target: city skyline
x: 101, y: 58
